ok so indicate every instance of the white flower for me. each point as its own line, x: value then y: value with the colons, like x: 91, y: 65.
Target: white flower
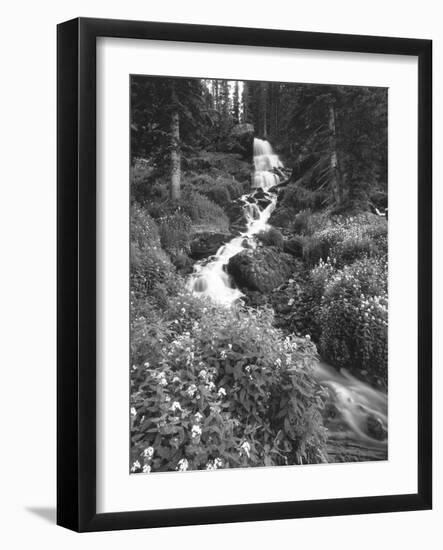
x: 245, y: 448
x: 196, y: 431
x: 183, y: 310
x: 176, y: 379
x: 221, y: 392
x: 203, y: 373
x: 191, y: 390
x: 135, y: 466
x: 198, y: 417
x: 175, y: 406
x: 148, y: 452
x: 182, y: 465
x: 147, y: 364
x: 167, y: 398
x: 210, y: 466
x: 133, y: 411
x: 218, y: 462
x: 223, y: 354
x: 146, y: 469
x: 278, y: 362
x: 211, y: 386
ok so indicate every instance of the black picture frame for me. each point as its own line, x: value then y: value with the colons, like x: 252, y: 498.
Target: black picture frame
x: 76, y: 294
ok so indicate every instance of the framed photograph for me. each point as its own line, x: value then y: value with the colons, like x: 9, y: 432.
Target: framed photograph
x: 244, y: 274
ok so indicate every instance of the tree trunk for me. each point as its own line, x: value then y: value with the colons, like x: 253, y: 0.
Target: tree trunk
x: 337, y: 184
x: 175, y: 149
x: 245, y: 99
x: 236, y: 103
x: 215, y: 94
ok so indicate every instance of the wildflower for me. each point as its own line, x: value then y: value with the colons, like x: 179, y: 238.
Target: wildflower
x: 182, y: 465
x: 146, y: 469
x: 148, y: 452
x: 278, y: 362
x: 196, y: 431
x: 223, y: 354
x: 175, y: 406
x: 221, y: 392
x: 133, y: 411
x: 183, y: 310
x: 211, y: 386
x: 176, y: 380
x: 203, y: 373
x: 210, y: 466
x: 198, y: 417
x: 147, y: 364
x: 191, y: 390
x: 218, y: 462
x: 245, y: 448
x: 135, y: 466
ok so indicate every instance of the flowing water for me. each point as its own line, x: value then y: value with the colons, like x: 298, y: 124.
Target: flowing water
x: 355, y: 413
x: 210, y: 277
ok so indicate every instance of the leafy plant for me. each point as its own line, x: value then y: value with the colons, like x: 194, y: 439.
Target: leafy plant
x: 228, y: 390
x: 271, y: 237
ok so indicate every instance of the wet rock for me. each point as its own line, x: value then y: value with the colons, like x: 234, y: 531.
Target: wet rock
x: 375, y: 428
x: 262, y: 269
x: 207, y: 243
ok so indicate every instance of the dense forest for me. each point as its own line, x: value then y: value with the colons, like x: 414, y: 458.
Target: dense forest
x: 258, y: 274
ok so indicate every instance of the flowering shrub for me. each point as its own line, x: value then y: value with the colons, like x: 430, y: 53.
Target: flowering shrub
x: 353, y: 318
x: 271, y: 237
x: 346, y: 239
x: 342, y: 300
x: 224, y: 389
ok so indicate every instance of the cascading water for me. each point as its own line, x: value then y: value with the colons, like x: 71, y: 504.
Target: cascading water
x: 266, y: 163
x: 354, y: 411
x: 210, y: 277
x: 356, y: 414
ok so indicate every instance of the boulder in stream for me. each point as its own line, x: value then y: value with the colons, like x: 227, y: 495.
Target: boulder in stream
x: 262, y: 269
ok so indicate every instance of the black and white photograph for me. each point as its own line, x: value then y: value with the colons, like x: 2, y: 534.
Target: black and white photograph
x: 258, y: 274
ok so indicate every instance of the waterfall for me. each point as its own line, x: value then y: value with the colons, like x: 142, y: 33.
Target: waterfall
x: 265, y: 164
x: 210, y: 277
x: 358, y: 412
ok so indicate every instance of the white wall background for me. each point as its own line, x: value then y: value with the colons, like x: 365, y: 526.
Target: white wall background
x: 27, y: 289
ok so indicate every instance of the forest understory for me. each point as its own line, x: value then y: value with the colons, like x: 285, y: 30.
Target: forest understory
x: 294, y: 369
